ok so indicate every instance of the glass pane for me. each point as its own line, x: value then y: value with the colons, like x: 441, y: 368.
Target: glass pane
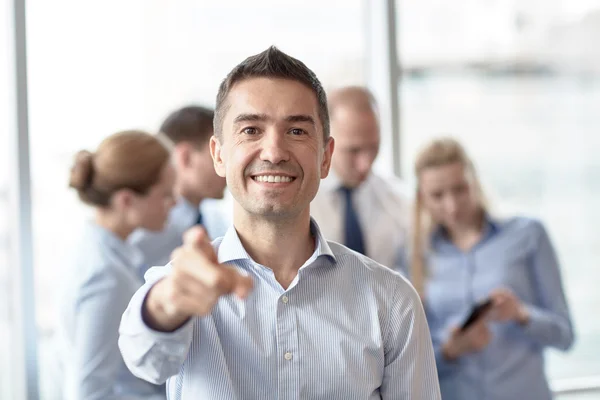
x: 8, y: 324
x: 154, y: 56
x: 519, y: 84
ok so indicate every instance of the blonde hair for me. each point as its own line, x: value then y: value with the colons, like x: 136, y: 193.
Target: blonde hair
x: 437, y: 153
x: 125, y: 160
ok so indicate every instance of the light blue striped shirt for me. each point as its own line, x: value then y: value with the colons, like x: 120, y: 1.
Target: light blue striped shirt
x: 516, y: 254
x: 346, y: 328
x: 156, y: 247
x: 98, y: 285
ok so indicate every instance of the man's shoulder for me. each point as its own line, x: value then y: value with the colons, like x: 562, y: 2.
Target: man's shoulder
x: 369, y: 270
x: 390, y: 185
x: 144, y: 238
x: 217, y: 215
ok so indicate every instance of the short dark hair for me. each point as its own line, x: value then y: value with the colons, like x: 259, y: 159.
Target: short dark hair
x: 271, y: 63
x: 192, y: 124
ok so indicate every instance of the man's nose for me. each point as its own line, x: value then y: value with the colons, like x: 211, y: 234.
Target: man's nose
x: 363, y: 163
x: 274, y: 147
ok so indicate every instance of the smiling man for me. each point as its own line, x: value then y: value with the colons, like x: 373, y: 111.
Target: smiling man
x: 273, y: 310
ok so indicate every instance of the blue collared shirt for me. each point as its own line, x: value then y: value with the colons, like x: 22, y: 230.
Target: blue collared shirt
x: 346, y: 328
x: 98, y: 286
x: 516, y: 254
x: 156, y: 247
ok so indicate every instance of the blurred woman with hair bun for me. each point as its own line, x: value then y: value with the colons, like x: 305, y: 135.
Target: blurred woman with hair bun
x: 128, y: 181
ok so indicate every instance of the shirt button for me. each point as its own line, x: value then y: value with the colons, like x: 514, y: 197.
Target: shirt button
x: 288, y: 356
x: 285, y: 299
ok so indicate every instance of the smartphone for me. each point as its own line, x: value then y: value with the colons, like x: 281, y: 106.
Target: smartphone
x: 478, y: 311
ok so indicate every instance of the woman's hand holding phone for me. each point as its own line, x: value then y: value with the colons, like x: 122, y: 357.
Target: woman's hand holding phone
x: 474, y: 335
x: 506, y: 306
x: 474, y: 338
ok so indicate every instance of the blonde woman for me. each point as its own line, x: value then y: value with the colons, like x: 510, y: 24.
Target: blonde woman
x: 129, y: 183
x: 462, y: 255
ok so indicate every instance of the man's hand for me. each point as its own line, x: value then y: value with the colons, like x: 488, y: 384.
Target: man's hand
x: 194, y: 286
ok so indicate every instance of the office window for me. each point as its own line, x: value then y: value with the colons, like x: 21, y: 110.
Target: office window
x: 8, y: 320
x: 519, y: 84
x: 100, y: 67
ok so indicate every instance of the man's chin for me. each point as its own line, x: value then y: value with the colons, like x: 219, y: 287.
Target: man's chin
x: 353, y: 184
x: 275, y: 212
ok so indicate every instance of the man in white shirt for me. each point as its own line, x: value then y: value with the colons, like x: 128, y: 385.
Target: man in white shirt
x: 197, y: 187
x: 354, y: 206
x: 272, y: 310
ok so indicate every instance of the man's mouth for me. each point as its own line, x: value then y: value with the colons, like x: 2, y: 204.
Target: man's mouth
x: 273, y: 178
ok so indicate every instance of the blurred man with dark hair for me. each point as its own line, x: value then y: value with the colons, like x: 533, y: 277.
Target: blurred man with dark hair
x: 189, y: 130
x: 273, y: 310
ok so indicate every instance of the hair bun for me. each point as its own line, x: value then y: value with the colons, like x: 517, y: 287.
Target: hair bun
x: 82, y: 170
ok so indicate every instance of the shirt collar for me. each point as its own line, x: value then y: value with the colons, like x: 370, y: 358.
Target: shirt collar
x: 491, y: 226
x: 231, y: 247
x: 185, y: 211
x: 333, y: 183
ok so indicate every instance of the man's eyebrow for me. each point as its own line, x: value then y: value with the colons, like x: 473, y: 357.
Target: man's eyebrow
x: 250, y: 118
x: 300, y: 118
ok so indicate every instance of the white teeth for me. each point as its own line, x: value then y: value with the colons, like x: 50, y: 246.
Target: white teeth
x: 272, y: 178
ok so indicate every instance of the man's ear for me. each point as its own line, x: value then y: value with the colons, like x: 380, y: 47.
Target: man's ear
x: 216, y: 154
x: 327, y: 154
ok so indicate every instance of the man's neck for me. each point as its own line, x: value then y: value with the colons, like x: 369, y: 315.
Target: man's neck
x: 468, y: 235
x: 190, y: 197
x: 281, y: 245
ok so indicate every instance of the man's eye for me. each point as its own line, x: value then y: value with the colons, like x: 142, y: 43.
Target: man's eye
x: 297, y: 131
x: 250, y: 131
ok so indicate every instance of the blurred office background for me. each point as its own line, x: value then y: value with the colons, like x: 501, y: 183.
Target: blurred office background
x: 517, y: 81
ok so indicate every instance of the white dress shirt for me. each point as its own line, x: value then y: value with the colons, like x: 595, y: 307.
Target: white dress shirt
x: 98, y: 284
x: 383, y: 209
x: 156, y: 247
x: 345, y: 328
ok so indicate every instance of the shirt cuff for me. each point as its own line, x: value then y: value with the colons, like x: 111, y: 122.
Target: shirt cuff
x: 138, y: 325
x: 537, y: 324
x: 173, y: 346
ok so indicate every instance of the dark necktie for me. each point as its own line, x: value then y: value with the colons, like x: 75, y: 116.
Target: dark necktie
x: 353, y: 237
x: 199, y: 220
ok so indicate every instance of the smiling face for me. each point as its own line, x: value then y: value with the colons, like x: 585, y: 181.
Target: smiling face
x: 272, y: 150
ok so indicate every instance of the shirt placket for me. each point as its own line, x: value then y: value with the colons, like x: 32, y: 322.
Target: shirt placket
x: 288, y: 376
